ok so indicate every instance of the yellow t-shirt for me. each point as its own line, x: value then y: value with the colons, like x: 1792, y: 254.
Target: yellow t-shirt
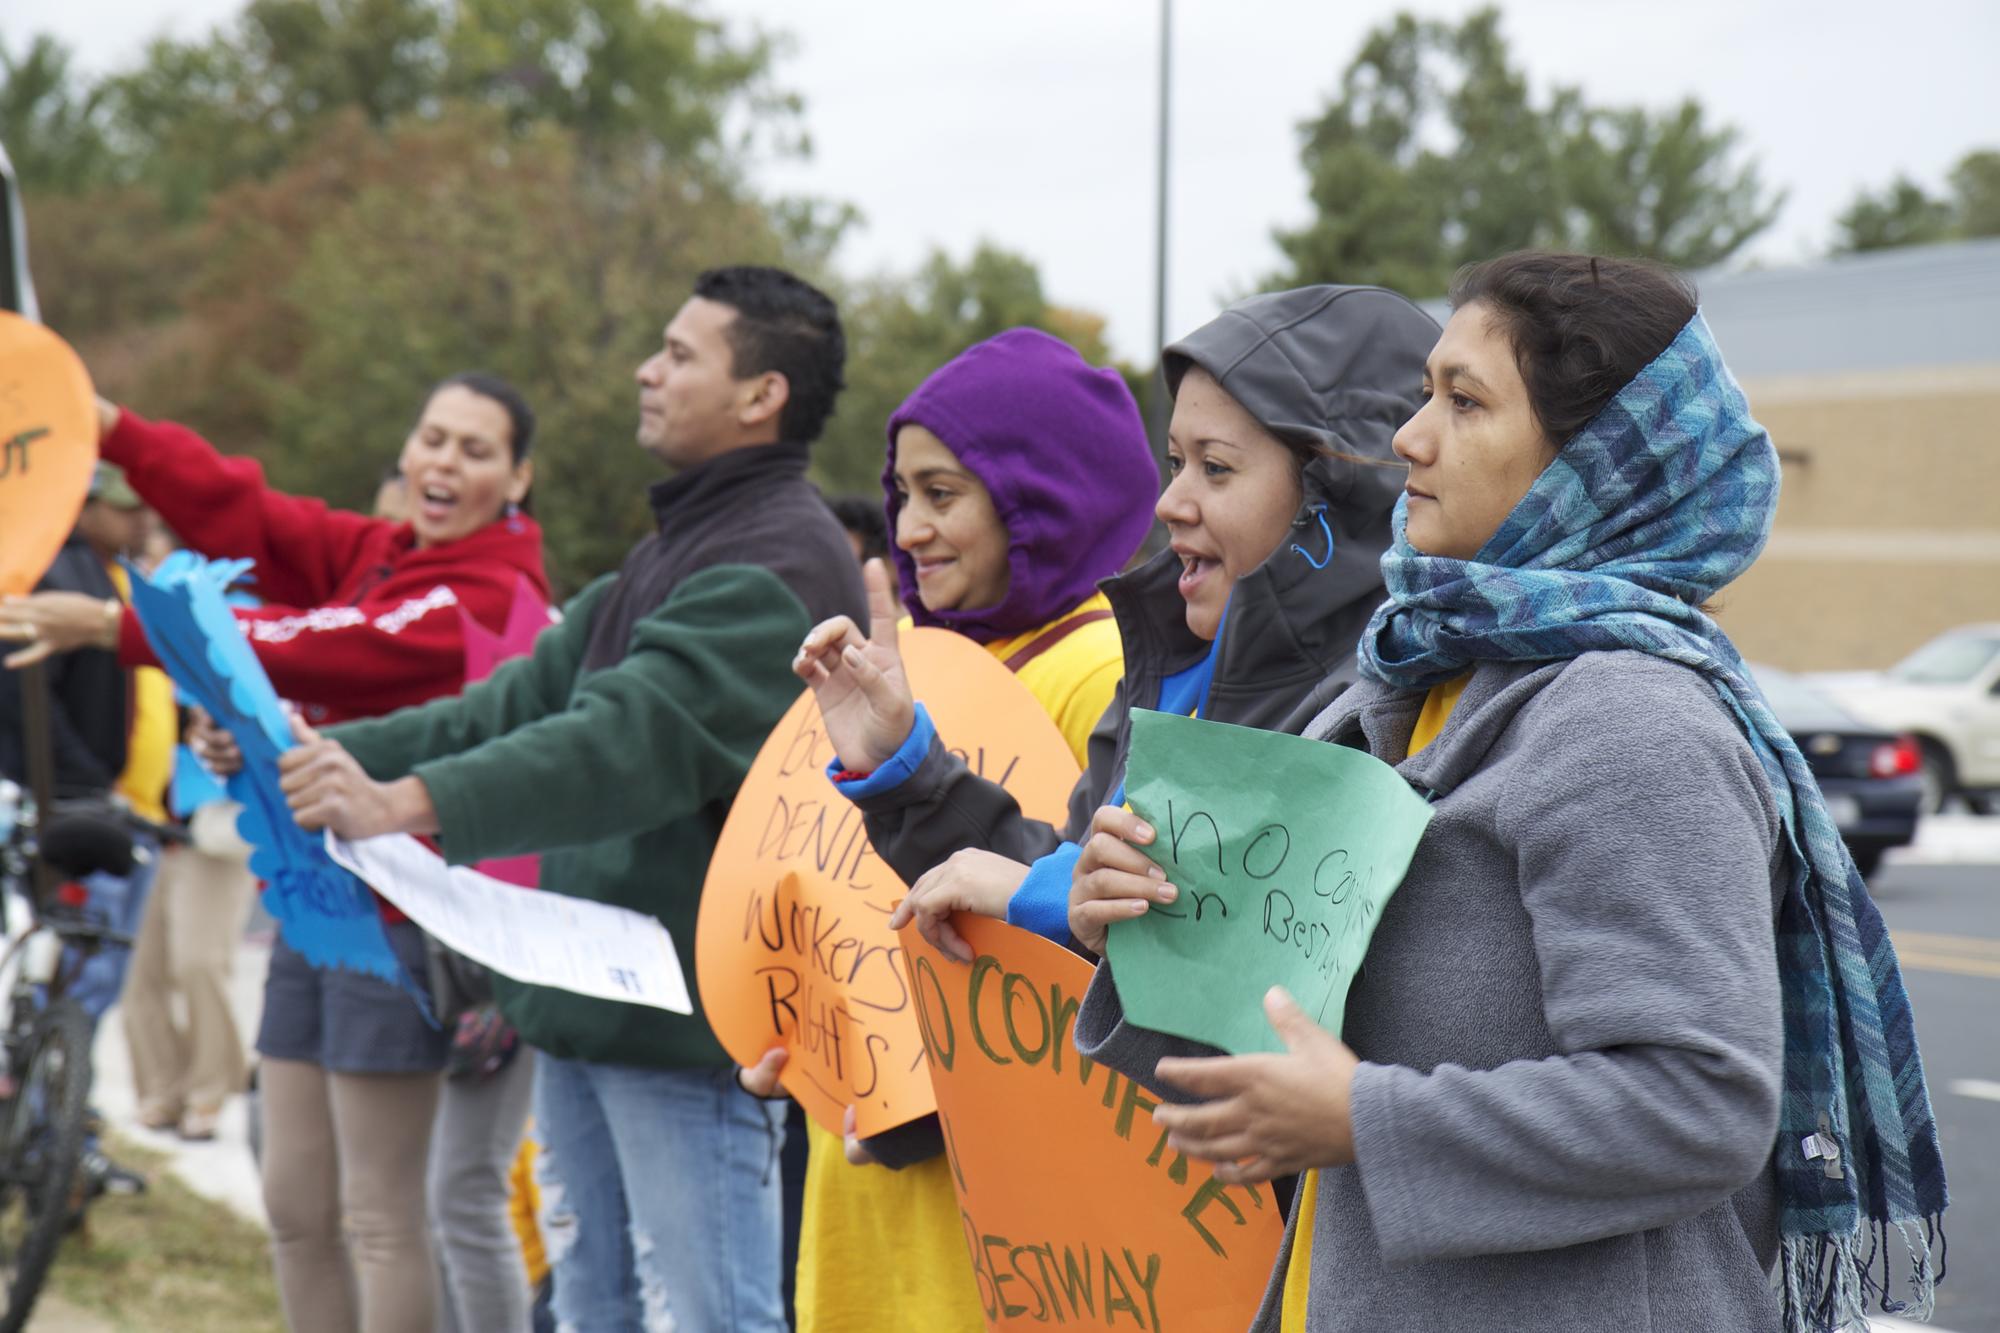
x: 149, y: 748
x: 884, y: 1251
x: 524, y: 1207
x: 1298, y: 1273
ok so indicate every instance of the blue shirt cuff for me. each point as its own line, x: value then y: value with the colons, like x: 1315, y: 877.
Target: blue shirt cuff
x: 897, y: 771
x: 1041, y: 904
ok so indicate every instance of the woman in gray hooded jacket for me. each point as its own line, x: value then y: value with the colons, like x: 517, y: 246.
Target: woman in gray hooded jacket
x: 1581, y: 1068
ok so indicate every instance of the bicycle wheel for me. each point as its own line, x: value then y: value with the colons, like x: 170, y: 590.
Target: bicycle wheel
x: 41, y: 1143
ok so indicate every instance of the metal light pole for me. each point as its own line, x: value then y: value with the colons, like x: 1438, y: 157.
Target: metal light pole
x: 1159, y: 405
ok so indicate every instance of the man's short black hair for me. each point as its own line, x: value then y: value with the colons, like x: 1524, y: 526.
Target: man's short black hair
x: 786, y: 324
x: 862, y: 515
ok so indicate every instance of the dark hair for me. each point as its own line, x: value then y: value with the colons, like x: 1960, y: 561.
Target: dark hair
x: 863, y: 516
x: 520, y: 417
x: 1582, y: 326
x: 785, y: 324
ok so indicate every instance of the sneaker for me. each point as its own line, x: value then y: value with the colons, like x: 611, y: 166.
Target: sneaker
x: 159, y: 1116
x: 101, y: 1175
x: 198, y: 1125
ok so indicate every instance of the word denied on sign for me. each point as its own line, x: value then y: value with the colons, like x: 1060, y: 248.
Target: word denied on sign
x: 1100, y: 1223
x: 793, y: 946
x: 1285, y: 851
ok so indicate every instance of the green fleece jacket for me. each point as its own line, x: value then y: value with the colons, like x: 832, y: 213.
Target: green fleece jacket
x: 543, y: 756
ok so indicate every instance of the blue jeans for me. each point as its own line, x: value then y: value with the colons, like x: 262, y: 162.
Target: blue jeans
x: 660, y: 1202
x: 117, y: 902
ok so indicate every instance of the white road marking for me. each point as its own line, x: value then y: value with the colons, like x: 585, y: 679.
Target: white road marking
x: 1983, y: 1088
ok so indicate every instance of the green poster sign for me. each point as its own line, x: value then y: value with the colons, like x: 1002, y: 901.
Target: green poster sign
x: 1284, y: 851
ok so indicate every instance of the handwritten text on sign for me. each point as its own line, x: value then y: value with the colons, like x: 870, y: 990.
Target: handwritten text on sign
x: 1090, y: 1218
x: 1284, y: 851
x: 793, y: 947
x: 48, y: 448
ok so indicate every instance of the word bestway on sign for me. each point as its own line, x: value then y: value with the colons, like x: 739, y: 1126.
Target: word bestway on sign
x: 1098, y: 1219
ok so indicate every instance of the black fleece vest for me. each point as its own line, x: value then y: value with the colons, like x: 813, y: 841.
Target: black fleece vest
x: 749, y: 506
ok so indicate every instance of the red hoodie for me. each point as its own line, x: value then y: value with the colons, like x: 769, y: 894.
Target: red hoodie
x: 382, y: 626
x: 357, y: 621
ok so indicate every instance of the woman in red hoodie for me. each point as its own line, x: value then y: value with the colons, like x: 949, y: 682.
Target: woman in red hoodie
x: 361, y: 616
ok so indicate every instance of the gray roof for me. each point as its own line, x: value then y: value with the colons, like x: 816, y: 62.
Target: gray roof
x: 1917, y: 307
x: 1912, y: 308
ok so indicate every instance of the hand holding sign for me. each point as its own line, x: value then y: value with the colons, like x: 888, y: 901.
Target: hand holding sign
x: 48, y: 447
x: 1265, y: 1116
x: 793, y: 947
x: 1284, y: 851
x: 864, y: 698
x: 1114, y: 880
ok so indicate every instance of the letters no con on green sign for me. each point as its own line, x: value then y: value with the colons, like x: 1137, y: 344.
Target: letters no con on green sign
x: 1284, y: 850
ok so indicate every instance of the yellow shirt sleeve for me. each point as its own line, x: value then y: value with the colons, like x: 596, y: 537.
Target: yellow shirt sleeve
x: 1076, y: 678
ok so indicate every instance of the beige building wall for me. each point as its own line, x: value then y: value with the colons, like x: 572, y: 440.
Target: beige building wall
x: 1888, y: 529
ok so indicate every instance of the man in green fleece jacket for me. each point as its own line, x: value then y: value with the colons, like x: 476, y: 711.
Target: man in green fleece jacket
x: 614, y: 749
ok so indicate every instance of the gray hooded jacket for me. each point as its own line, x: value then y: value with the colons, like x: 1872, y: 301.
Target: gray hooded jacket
x: 1568, y: 1018
x: 1340, y: 368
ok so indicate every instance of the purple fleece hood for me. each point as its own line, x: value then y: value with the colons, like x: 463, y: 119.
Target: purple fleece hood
x: 1062, y: 448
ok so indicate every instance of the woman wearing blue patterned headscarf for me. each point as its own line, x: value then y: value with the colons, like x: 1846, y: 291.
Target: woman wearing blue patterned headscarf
x: 1631, y: 954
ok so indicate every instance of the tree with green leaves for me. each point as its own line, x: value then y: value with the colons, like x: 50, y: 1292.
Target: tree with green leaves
x: 54, y: 119
x: 1904, y: 213
x: 1435, y: 152
x: 302, y: 219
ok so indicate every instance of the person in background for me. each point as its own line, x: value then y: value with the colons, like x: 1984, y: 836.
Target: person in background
x: 1582, y: 1065
x: 360, y: 616
x: 111, y: 528
x: 867, y: 530
x: 615, y: 749
x: 1018, y: 476
x: 392, y: 497
x: 187, y: 1054
x: 185, y: 1068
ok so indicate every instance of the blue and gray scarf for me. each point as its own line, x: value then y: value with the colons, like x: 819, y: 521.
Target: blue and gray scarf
x: 1666, y: 496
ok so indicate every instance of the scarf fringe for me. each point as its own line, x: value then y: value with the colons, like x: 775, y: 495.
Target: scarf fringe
x: 1829, y: 1281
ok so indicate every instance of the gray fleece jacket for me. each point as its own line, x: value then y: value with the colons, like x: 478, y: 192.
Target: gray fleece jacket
x: 1568, y: 1019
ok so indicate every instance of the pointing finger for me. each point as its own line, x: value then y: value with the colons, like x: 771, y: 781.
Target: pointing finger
x: 883, y: 613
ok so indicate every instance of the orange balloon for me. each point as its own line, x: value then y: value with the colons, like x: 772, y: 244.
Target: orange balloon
x: 1073, y: 1207
x: 48, y: 447
x: 793, y: 946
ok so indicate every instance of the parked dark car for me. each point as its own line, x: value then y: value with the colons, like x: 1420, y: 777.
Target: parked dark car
x: 1872, y: 779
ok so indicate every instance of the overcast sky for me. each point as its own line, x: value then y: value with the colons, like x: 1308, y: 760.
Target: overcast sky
x: 1031, y: 122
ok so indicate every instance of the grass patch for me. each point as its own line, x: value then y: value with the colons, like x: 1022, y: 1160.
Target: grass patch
x: 168, y: 1260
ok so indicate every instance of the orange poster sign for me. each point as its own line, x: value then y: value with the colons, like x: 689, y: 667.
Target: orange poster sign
x: 1074, y: 1208
x: 793, y: 946
x: 48, y: 446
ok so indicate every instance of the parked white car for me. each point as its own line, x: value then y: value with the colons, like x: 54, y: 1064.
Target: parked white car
x: 1947, y: 695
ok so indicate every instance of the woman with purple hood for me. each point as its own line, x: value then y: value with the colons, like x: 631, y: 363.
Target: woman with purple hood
x: 1018, y: 477
x: 1282, y: 478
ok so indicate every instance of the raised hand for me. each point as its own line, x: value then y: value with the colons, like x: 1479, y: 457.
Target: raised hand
x: 864, y: 699
x: 1114, y: 880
